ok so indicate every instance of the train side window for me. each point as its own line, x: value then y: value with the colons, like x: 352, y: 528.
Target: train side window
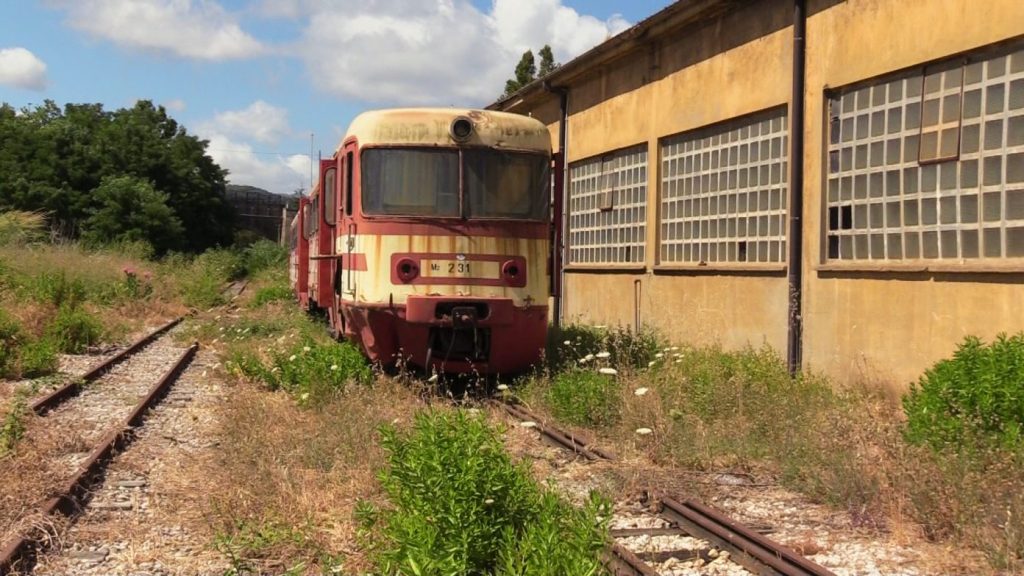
x: 348, y: 184
x: 330, y: 194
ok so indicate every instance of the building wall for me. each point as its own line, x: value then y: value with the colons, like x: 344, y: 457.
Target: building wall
x: 890, y: 321
x: 885, y: 319
x: 712, y: 74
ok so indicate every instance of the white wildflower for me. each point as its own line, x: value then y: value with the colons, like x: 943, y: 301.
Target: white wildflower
x: 432, y: 379
x: 603, y: 354
x: 600, y: 326
x: 528, y: 424
x: 666, y: 349
x: 651, y: 364
x: 659, y: 355
x: 609, y: 371
x: 334, y: 367
x: 489, y: 501
x: 291, y: 358
x: 221, y: 328
x: 305, y: 396
x: 589, y: 357
x: 674, y: 348
x: 640, y: 391
x: 584, y: 360
x: 644, y: 431
x: 305, y: 348
x: 502, y: 387
x: 567, y: 343
x: 274, y: 369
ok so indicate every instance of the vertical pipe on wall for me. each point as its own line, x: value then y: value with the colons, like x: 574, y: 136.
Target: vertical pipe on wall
x: 558, y: 241
x: 794, y: 340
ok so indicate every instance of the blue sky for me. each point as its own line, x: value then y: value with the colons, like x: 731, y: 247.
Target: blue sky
x: 257, y: 77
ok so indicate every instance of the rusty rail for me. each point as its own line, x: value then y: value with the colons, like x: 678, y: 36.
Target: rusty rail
x: 747, y: 548
x: 72, y: 388
x: 19, y: 554
x: 566, y: 440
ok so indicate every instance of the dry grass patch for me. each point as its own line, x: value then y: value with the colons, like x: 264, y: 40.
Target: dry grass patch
x: 291, y: 476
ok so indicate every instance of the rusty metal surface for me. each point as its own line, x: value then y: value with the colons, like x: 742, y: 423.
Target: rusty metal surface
x: 562, y: 439
x: 19, y: 554
x: 622, y: 562
x: 55, y: 398
x: 748, y: 548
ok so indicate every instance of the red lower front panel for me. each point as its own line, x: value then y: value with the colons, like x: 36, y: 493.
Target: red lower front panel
x: 451, y: 335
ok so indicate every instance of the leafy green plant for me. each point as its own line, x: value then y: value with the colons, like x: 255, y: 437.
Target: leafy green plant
x: 627, y: 349
x: 13, y: 426
x: 264, y: 255
x: 585, y: 397
x: 268, y: 294
x: 978, y: 394
x: 73, y: 330
x: 57, y: 289
x: 10, y: 340
x: 310, y: 371
x: 37, y: 358
x: 248, y: 540
x: 461, y: 506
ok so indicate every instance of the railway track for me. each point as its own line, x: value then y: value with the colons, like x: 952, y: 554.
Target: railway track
x: 87, y: 422
x: 692, y: 530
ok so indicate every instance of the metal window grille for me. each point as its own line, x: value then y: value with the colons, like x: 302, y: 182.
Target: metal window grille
x: 608, y: 208
x: 930, y: 164
x: 724, y: 192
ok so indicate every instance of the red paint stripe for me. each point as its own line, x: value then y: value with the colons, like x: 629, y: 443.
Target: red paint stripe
x: 454, y: 227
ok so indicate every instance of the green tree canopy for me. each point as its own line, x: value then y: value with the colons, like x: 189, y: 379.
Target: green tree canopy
x: 526, y: 69
x: 129, y: 209
x: 53, y: 160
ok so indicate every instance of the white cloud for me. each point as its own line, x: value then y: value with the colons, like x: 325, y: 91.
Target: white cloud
x: 441, y: 52
x: 198, y: 29
x: 259, y: 121
x: 175, y: 105
x: 230, y: 135
x: 22, y: 69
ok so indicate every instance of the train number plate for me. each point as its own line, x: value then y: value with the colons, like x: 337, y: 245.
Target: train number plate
x: 459, y: 269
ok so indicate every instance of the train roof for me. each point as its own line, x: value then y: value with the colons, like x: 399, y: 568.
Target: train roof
x: 430, y: 127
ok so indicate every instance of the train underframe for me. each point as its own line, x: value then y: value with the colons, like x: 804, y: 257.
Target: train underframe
x: 450, y: 335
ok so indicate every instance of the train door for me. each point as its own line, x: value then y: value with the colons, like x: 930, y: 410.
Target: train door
x: 329, y: 263
x: 345, y: 245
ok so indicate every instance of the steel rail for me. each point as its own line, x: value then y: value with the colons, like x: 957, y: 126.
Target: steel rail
x: 19, y: 554
x: 72, y: 388
x: 748, y: 548
x: 563, y: 439
x: 623, y: 562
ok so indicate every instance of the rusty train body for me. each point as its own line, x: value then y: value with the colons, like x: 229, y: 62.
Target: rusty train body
x: 426, y: 239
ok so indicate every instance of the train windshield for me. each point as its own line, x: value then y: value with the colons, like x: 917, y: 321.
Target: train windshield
x: 426, y: 182
x: 506, y: 184
x: 411, y: 182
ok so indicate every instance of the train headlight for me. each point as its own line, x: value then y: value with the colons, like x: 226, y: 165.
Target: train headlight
x: 407, y: 270
x: 461, y: 129
x: 510, y: 270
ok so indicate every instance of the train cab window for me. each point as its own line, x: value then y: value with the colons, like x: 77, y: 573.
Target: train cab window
x: 507, y: 185
x: 410, y: 182
x: 330, y: 194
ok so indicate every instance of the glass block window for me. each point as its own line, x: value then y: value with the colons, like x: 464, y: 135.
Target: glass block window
x: 929, y: 164
x: 724, y: 192
x: 608, y: 208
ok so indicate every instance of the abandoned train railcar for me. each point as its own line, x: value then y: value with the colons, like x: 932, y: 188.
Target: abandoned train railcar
x: 438, y: 223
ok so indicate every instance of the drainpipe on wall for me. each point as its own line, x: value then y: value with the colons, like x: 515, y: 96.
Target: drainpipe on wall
x: 561, y: 177
x: 794, y: 340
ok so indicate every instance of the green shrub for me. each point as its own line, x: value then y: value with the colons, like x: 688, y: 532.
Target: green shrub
x: 978, y: 394
x: 628, y: 349
x: 57, y: 289
x: 272, y: 294
x: 585, y: 397
x: 264, y: 255
x: 73, y: 330
x: 13, y: 426
x: 310, y: 371
x: 11, y: 338
x: 461, y: 506
x: 37, y: 358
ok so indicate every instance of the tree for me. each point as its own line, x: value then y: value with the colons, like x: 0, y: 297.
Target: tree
x: 129, y: 209
x: 51, y: 160
x: 526, y: 71
x: 547, y: 61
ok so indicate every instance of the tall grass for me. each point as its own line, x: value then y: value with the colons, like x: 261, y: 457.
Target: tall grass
x: 19, y: 228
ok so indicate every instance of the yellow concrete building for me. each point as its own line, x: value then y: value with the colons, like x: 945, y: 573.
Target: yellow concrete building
x: 866, y: 247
